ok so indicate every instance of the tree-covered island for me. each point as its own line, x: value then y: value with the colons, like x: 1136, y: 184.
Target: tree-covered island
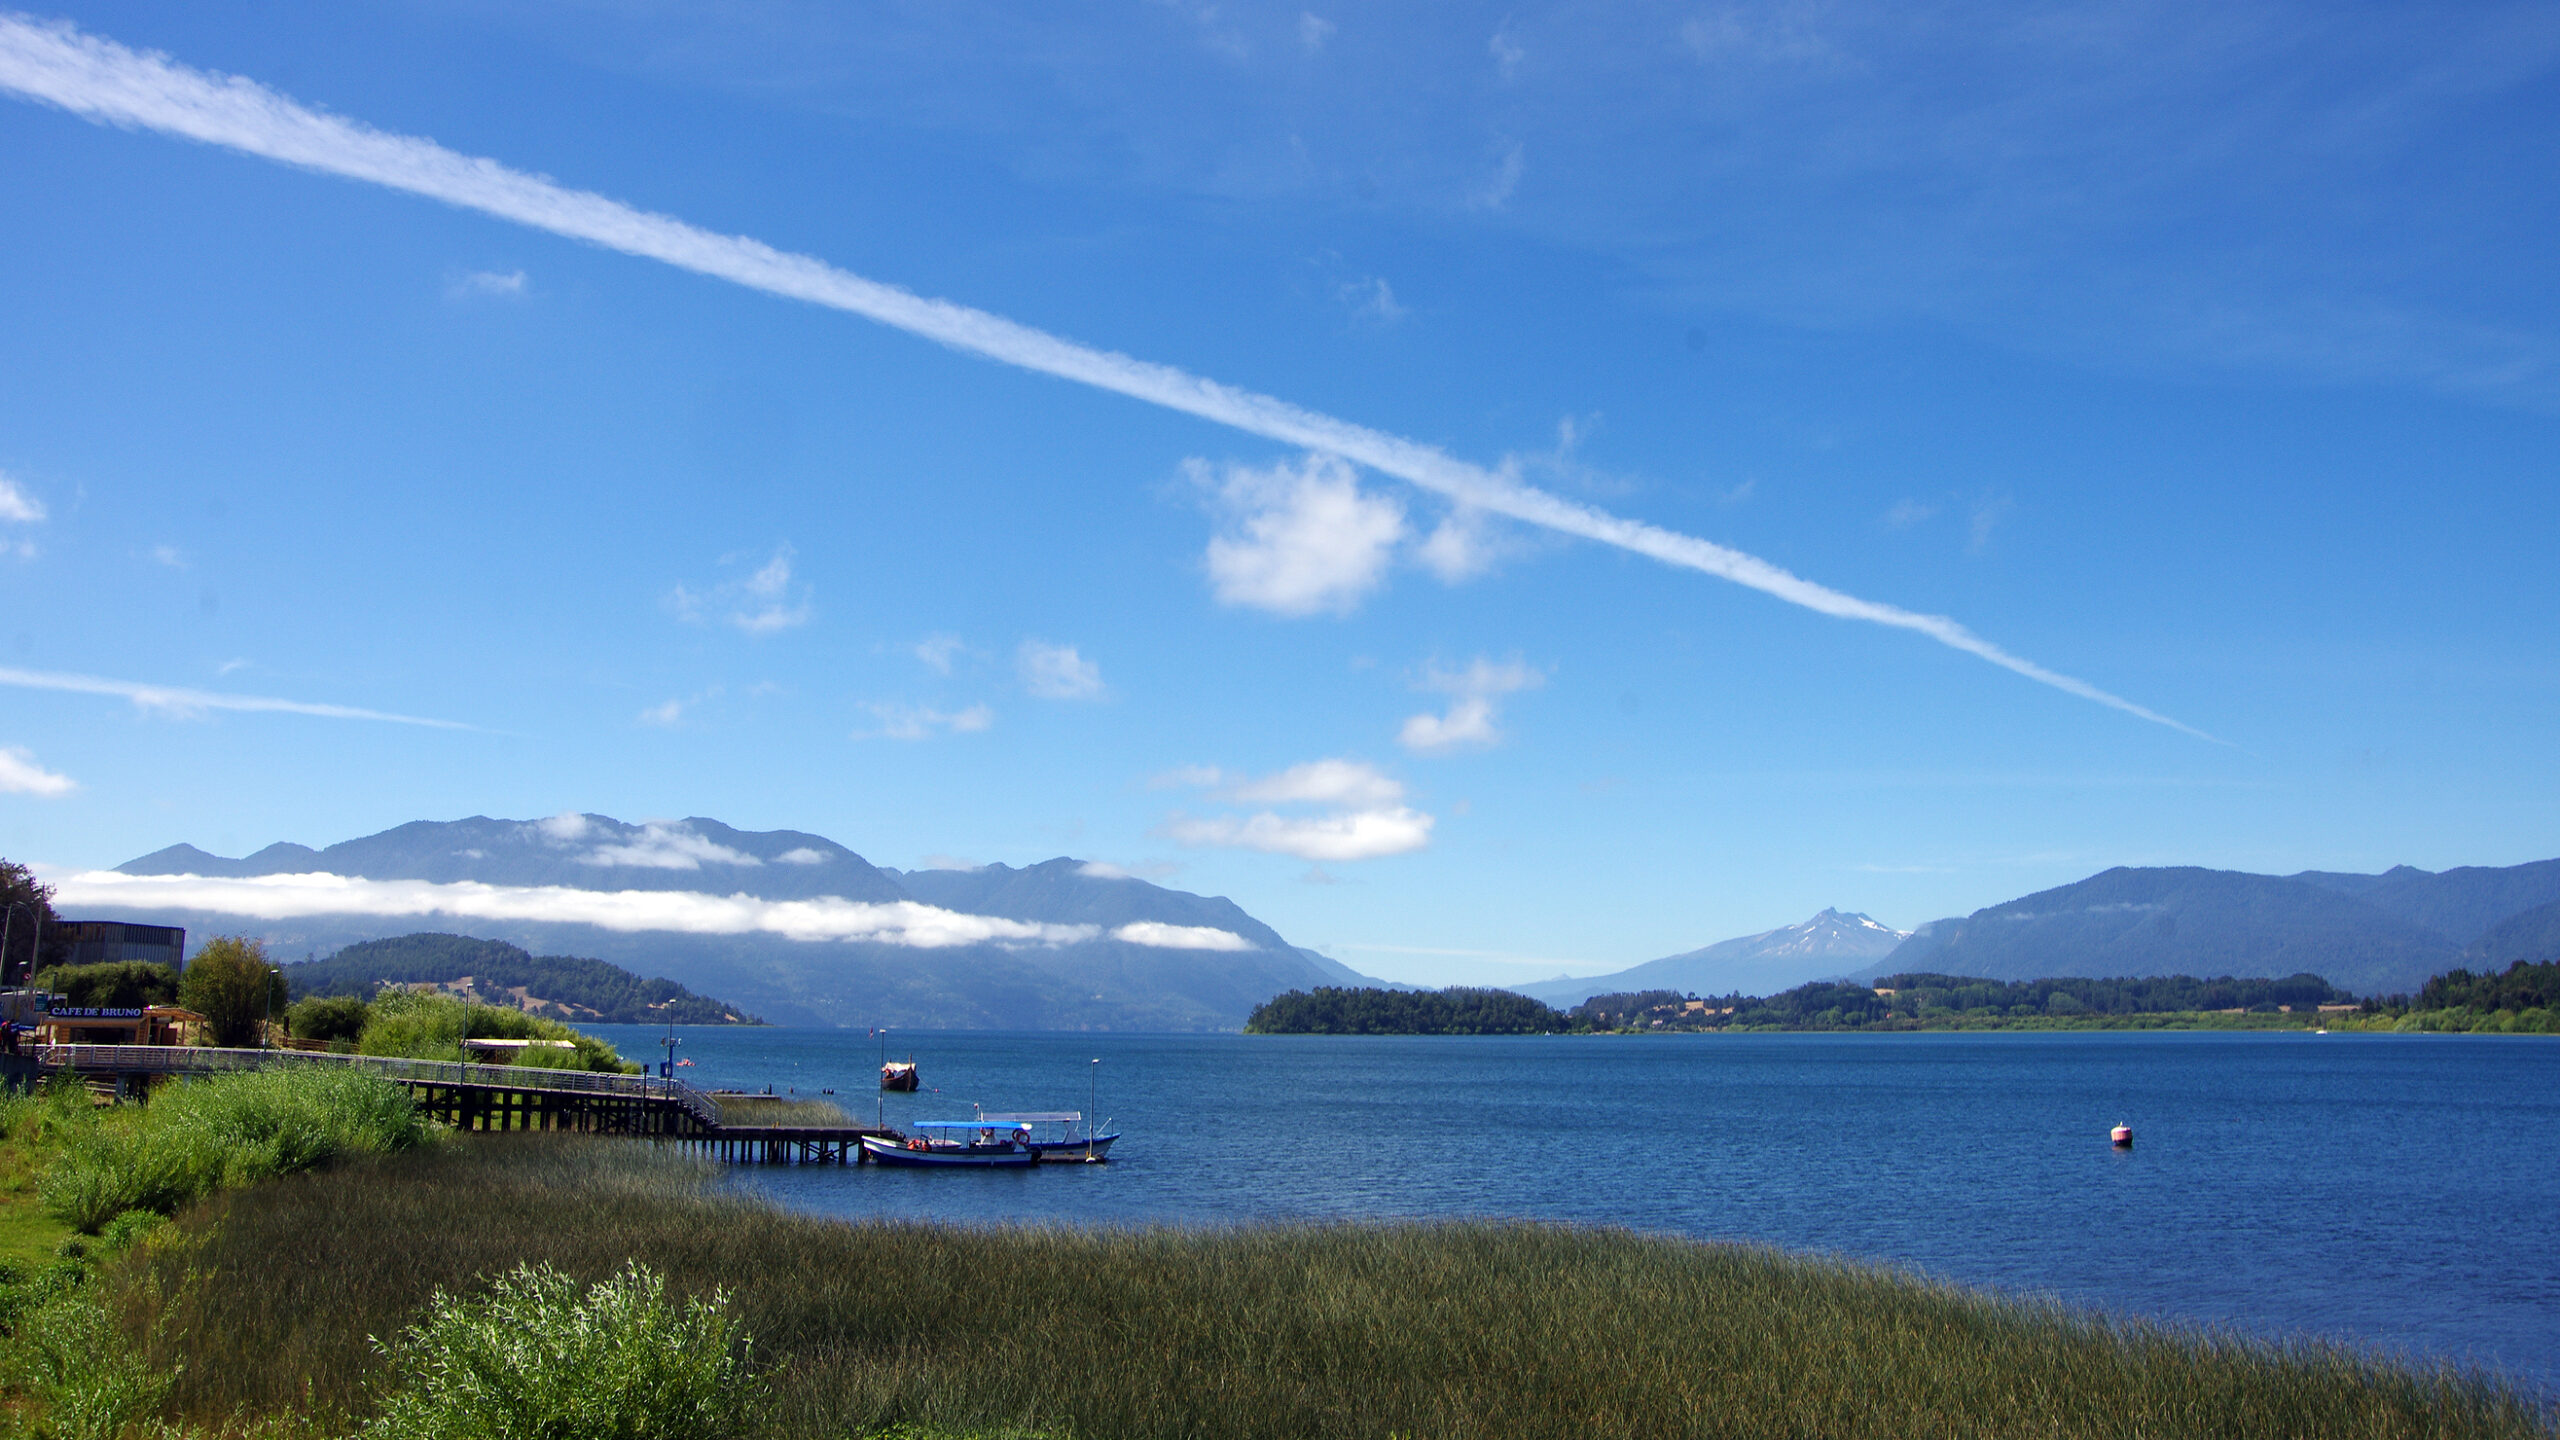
x: 2523, y: 1000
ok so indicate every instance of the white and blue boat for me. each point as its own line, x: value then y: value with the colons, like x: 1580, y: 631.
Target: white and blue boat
x: 977, y: 1143
x: 1056, y: 1136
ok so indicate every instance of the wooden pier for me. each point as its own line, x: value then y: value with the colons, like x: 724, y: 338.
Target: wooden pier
x: 501, y: 1097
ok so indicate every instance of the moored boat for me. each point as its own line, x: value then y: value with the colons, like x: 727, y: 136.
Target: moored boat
x: 1055, y: 1135
x: 898, y: 1075
x: 973, y: 1143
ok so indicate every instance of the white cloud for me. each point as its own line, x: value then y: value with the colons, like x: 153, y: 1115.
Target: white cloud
x: 760, y: 604
x: 1320, y: 782
x: 1468, y: 723
x: 1180, y: 937
x: 1765, y: 35
x: 1497, y: 189
x: 1461, y: 547
x: 936, y: 652
x: 1313, y: 31
x: 1300, y: 539
x: 1371, y: 300
x: 672, y: 712
x: 183, y: 704
x: 1105, y: 870
x: 802, y: 856
x: 17, y: 505
x: 170, y: 556
x: 21, y: 775
x: 1506, y: 51
x: 1988, y: 511
x: 1907, y: 513
x: 108, y: 84
x: 509, y: 286
x: 918, y: 722
x: 903, y: 922
x: 1350, y: 835
x: 566, y: 828
x: 665, y: 845
x: 1361, y: 814
x: 1057, y: 672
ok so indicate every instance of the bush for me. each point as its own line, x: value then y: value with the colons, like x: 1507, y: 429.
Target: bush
x: 420, y: 1025
x: 541, y: 1359
x: 66, y: 1353
x: 327, y: 1017
x: 199, y: 1135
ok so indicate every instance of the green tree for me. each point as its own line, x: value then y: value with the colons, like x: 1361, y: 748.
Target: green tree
x: 131, y: 983
x: 231, y: 983
x: 28, y: 908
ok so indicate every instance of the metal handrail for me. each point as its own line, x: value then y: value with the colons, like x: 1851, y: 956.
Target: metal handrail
x: 196, y: 1060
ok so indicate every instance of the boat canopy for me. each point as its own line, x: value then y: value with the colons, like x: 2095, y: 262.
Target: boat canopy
x: 990, y: 1123
x: 1033, y: 1117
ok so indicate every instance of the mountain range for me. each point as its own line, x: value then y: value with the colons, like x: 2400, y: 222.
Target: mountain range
x: 792, y: 925
x: 2373, y: 934
x: 1825, y: 946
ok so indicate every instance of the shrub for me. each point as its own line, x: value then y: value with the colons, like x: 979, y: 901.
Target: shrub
x: 199, y: 1135
x: 424, y: 1026
x: 327, y: 1017
x: 541, y: 1359
x: 67, y: 1355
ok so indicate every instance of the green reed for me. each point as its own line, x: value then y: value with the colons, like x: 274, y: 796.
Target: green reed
x: 1355, y: 1331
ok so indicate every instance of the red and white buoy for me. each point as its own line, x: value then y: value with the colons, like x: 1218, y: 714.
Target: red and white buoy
x: 2122, y: 1135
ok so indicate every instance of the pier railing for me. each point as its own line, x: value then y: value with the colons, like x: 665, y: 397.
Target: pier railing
x: 202, y: 1060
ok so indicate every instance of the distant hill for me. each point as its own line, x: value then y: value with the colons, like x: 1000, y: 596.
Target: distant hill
x: 563, y: 987
x: 2462, y: 904
x: 2533, y: 935
x: 1828, y: 945
x: 2188, y: 921
x: 1121, y: 953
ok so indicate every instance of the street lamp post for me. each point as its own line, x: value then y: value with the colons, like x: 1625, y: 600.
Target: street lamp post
x: 1092, y: 1088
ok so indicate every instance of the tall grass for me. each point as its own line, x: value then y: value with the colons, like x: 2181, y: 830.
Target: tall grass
x: 197, y: 1136
x: 780, y: 1110
x: 1359, y: 1332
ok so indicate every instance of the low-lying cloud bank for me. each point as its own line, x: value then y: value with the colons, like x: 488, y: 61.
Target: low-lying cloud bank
x: 902, y: 922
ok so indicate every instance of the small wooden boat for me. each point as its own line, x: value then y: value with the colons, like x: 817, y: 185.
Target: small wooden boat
x: 898, y: 1075
x: 1053, y: 1135
x: 972, y: 1143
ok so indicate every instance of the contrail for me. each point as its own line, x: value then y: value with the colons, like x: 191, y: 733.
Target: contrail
x: 172, y: 700
x: 105, y: 82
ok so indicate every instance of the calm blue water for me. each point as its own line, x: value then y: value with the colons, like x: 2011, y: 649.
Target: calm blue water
x: 2400, y: 1192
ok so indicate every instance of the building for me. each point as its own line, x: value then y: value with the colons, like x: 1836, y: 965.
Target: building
x: 137, y: 1025
x: 100, y: 942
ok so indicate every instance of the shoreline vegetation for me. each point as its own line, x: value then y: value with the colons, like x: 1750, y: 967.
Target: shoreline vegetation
x: 2523, y: 1000
x: 556, y: 1285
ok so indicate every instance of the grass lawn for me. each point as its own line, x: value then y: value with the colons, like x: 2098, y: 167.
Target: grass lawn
x: 27, y: 1234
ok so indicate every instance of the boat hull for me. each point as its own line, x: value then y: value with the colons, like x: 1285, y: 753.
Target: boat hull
x: 1060, y: 1152
x: 970, y: 1157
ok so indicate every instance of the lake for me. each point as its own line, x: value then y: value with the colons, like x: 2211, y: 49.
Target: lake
x: 2390, y: 1191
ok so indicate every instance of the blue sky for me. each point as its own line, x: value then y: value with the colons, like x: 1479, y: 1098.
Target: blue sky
x: 2205, y: 356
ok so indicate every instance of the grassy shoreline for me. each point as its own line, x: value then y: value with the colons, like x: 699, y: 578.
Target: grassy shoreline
x: 266, y: 1296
